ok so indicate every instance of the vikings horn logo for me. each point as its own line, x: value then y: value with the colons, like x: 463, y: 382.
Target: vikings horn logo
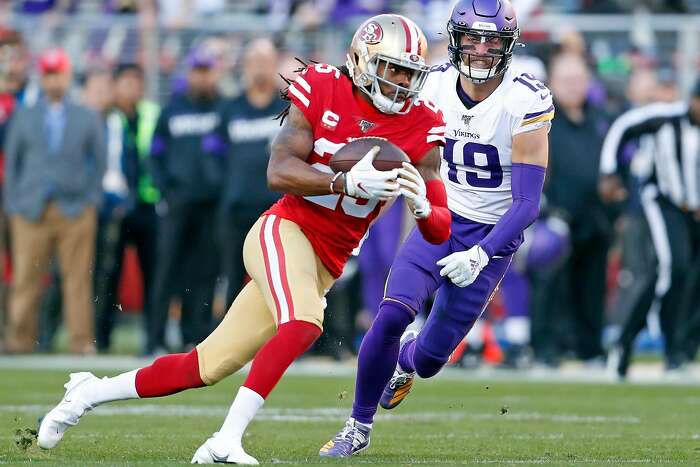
x: 372, y: 33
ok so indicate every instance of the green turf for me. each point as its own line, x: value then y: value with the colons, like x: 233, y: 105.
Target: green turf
x: 442, y: 422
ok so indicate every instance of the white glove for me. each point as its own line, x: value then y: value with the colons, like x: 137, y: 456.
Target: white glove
x: 364, y: 181
x: 413, y: 189
x: 464, y: 267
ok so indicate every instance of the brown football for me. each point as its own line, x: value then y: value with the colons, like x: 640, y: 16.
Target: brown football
x: 390, y: 155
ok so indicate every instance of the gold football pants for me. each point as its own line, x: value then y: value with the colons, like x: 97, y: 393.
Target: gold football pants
x: 288, y: 282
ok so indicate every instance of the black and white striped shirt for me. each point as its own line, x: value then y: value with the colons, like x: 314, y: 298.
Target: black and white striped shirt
x: 668, y: 153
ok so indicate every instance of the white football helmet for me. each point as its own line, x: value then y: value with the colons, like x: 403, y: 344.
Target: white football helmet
x: 392, y: 40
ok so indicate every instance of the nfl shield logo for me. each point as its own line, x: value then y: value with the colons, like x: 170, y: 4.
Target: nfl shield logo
x: 466, y: 119
x: 365, y: 126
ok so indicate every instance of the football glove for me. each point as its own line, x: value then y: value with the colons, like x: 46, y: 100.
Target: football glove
x: 413, y: 189
x: 463, y: 267
x: 364, y: 181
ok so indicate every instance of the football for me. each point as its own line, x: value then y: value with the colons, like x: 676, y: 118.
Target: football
x: 390, y: 155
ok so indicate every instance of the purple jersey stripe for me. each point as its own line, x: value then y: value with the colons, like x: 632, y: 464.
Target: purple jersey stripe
x: 535, y: 114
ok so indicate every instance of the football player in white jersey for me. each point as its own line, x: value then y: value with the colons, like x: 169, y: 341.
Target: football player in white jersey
x: 493, y: 166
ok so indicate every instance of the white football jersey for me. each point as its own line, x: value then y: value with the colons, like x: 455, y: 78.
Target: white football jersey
x: 476, y: 160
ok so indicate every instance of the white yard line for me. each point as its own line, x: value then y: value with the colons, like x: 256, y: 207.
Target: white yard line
x: 329, y: 414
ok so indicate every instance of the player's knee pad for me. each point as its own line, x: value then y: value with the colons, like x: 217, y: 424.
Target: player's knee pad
x: 393, y: 318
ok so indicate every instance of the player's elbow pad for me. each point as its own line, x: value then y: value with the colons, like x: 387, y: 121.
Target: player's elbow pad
x: 436, y: 227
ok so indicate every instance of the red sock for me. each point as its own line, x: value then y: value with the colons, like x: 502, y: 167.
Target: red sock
x: 291, y: 341
x: 169, y: 374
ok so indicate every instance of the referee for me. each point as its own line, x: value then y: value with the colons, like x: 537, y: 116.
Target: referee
x: 667, y: 171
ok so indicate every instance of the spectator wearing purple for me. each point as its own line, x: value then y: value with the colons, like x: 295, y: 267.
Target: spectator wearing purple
x: 188, y: 168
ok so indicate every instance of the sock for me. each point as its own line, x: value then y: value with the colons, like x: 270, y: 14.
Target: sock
x: 377, y: 359
x: 243, y: 409
x: 291, y: 341
x: 169, y: 374
x: 406, y: 357
x: 117, y: 388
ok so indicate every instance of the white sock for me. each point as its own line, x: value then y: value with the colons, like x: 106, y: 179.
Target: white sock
x: 117, y: 388
x: 244, y: 407
x: 367, y: 425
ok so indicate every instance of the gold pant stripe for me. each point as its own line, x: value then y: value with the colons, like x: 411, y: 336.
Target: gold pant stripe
x: 275, y: 268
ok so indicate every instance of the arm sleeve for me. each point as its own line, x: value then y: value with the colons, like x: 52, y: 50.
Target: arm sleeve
x: 436, y: 227
x: 526, y: 186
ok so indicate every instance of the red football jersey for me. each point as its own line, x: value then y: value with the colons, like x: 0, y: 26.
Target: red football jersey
x: 338, y: 113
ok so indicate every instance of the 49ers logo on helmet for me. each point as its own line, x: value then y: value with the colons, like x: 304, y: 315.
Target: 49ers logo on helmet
x: 372, y: 33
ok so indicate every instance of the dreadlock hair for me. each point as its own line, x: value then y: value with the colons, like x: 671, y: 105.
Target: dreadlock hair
x: 284, y: 93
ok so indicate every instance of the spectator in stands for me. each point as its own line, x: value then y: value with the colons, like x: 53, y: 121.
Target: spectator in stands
x: 15, y: 64
x: 38, y: 7
x: 7, y: 106
x: 666, y: 89
x: 248, y: 127
x: 96, y: 95
x: 641, y: 87
x: 97, y: 91
x: 121, y: 7
x: 55, y: 162
x: 130, y: 217
x: 188, y: 169
x: 177, y: 14
x: 578, y: 285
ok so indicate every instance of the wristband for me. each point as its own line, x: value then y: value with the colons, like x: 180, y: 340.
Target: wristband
x: 335, y: 177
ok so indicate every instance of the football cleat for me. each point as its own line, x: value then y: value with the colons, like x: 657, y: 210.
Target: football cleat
x: 400, y: 384
x: 351, y: 440
x: 67, y: 413
x: 217, y: 450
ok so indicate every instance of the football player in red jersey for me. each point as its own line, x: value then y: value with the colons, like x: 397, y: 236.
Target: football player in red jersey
x: 298, y: 248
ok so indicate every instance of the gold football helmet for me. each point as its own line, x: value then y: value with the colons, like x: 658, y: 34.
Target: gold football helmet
x: 395, y: 41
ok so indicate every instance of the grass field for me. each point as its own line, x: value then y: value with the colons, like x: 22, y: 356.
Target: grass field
x: 446, y: 421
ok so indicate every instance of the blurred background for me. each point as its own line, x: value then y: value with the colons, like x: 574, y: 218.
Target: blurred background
x: 132, y: 243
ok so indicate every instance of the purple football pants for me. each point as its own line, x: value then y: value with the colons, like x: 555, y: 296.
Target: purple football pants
x: 413, y: 278
x: 377, y: 255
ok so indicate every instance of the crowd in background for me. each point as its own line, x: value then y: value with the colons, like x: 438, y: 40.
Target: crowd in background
x: 95, y: 174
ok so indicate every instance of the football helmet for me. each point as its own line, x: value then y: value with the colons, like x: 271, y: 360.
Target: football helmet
x: 392, y: 40
x: 490, y: 22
